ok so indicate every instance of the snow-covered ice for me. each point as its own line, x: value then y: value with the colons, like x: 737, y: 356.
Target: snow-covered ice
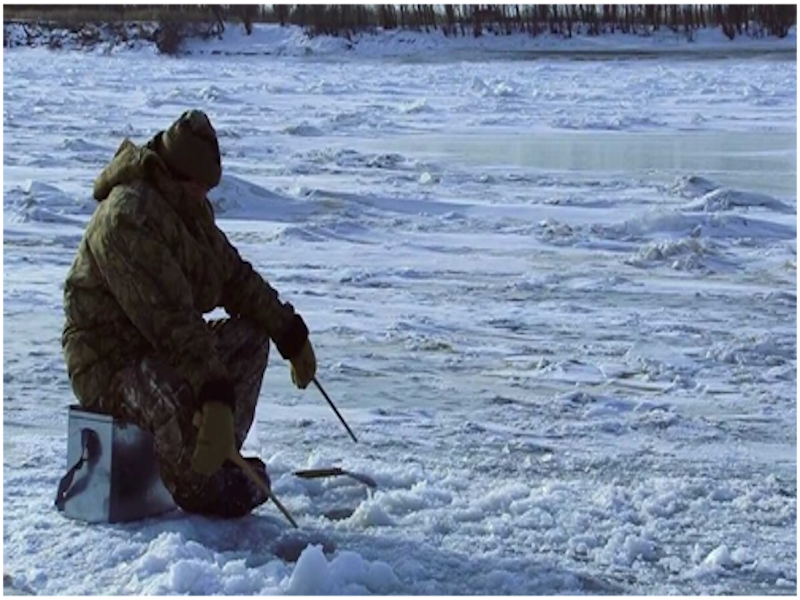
x: 555, y: 299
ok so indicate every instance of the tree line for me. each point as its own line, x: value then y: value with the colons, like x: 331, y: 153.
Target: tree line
x: 450, y: 19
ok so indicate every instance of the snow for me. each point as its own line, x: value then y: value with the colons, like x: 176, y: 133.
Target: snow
x: 554, y: 298
x: 270, y: 39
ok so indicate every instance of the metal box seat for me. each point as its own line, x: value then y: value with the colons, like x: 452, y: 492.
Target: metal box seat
x: 113, y: 471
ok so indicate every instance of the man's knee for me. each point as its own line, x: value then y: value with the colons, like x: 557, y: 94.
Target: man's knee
x: 239, y: 341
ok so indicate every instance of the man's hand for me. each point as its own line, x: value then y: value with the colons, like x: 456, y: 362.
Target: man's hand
x: 304, y: 366
x: 216, y: 439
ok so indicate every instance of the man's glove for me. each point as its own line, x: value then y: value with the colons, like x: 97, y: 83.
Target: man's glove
x: 304, y: 366
x: 216, y: 439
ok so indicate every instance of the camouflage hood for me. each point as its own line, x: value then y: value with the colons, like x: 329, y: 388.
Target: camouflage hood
x: 132, y: 163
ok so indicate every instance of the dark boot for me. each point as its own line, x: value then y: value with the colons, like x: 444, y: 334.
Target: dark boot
x: 234, y: 493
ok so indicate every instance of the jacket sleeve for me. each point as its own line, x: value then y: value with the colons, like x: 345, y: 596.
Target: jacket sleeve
x: 142, y: 275
x: 249, y: 295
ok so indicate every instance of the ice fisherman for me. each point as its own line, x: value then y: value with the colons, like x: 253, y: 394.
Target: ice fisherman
x: 151, y: 263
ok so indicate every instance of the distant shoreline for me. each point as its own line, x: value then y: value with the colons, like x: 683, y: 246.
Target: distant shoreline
x: 270, y: 39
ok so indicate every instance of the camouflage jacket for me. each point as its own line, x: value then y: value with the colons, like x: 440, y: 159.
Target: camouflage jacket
x: 151, y: 262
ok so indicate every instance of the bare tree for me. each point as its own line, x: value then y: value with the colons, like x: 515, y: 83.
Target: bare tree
x: 557, y: 19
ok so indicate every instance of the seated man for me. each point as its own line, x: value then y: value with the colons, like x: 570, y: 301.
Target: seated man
x: 151, y: 263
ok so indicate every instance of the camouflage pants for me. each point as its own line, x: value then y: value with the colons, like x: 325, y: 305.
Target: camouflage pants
x: 152, y: 395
